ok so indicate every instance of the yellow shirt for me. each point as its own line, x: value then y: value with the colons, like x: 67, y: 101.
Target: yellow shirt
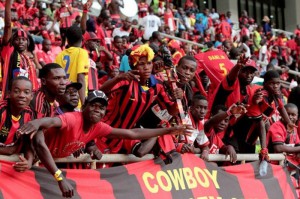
x: 75, y: 61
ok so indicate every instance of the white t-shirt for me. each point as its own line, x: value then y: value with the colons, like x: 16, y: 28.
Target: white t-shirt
x: 263, y: 51
x: 151, y: 23
x: 197, y: 135
x: 120, y: 32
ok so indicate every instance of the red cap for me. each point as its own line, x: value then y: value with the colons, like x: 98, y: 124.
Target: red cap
x: 251, y: 63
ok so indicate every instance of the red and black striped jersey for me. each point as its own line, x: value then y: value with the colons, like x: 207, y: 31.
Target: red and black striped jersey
x: 40, y: 105
x: 9, y: 124
x: 128, y: 102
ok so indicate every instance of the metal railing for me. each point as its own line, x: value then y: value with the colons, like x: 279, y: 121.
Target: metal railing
x: 122, y: 158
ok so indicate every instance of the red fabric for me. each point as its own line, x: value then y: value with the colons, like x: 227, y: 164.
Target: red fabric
x: 278, y: 133
x: 215, y: 142
x: 7, y: 136
x: 65, y: 18
x: 71, y: 136
x: 143, y: 9
x: 45, y: 57
x: 225, y: 29
x: 105, y: 37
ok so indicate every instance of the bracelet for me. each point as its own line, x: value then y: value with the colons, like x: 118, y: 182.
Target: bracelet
x: 228, y: 112
x: 57, y: 175
x: 85, y: 11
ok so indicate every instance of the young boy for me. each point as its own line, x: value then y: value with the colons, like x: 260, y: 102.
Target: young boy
x: 198, y: 142
x: 15, y: 112
x: 280, y: 139
x: 216, y: 126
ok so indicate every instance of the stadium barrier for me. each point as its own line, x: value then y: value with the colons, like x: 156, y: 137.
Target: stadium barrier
x: 130, y: 158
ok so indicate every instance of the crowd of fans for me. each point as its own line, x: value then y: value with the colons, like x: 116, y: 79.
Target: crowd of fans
x: 74, y: 83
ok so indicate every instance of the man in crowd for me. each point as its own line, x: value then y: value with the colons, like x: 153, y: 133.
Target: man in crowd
x: 73, y: 130
x: 53, y: 79
x: 75, y: 60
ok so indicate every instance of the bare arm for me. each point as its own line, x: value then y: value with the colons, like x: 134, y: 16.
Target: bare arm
x: 7, y: 23
x: 108, y: 85
x: 288, y: 149
x: 145, y: 147
x: 215, y: 120
x: 140, y: 134
x: 81, y: 79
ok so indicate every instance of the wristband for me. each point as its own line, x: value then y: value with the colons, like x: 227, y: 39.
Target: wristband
x: 85, y: 11
x: 57, y: 175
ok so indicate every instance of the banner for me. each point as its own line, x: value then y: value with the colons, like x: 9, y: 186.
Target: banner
x: 215, y: 64
x: 188, y: 177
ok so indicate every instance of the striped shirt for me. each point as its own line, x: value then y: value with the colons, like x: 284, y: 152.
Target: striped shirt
x: 9, y: 124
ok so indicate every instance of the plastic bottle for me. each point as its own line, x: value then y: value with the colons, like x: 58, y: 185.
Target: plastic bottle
x: 263, y: 168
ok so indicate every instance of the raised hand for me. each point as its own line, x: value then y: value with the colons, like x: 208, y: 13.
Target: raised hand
x: 242, y: 60
x: 88, y: 5
x: 237, y: 109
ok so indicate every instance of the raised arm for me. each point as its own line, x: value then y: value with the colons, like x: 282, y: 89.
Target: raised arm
x: 86, y: 8
x: 233, y: 74
x: 108, y: 85
x: 7, y: 23
x: 216, y: 119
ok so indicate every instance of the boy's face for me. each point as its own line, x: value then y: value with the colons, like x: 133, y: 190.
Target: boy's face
x: 118, y: 43
x: 94, y: 111
x: 222, y: 125
x: 21, y: 93
x: 199, y: 109
x: 293, y: 114
x: 144, y: 67
x: 186, y: 70
x: 273, y: 86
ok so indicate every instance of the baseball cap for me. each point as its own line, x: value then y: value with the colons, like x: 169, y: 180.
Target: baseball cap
x: 251, y: 63
x: 76, y: 85
x: 97, y: 95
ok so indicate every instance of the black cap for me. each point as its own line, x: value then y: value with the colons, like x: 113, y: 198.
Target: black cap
x: 97, y: 95
x: 76, y: 85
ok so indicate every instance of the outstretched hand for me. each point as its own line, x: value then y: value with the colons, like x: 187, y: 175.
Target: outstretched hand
x: 29, y: 128
x: 183, y: 130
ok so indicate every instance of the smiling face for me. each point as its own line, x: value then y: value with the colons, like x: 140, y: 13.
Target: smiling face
x: 21, y: 93
x: 94, y: 111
